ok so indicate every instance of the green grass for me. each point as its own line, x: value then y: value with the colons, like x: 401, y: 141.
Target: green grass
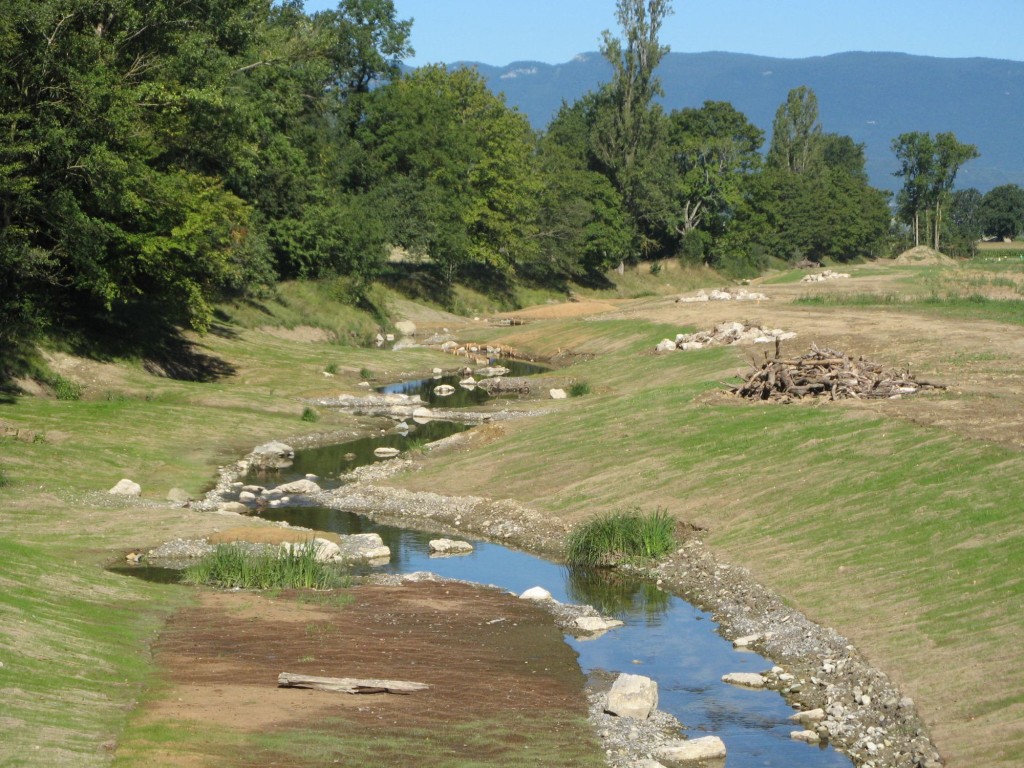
x: 579, y: 389
x: 310, y: 415
x: 231, y: 566
x: 621, y: 537
x: 972, y: 307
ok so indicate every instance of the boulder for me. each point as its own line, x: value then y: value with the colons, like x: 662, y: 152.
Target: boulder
x: 422, y: 415
x: 596, y: 623
x: 808, y: 737
x: 633, y: 696
x: 363, y: 547
x: 444, y: 390
x: 126, y: 487
x: 325, y: 551
x: 385, y: 453
x: 299, y: 486
x: 666, y: 345
x: 468, y: 383
x: 491, y: 371
x: 405, y: 327
x: 234, y: 508
x: 691, y: 751
x: 536, y: 593
x: 810, y: 717
x: 744, y: 679
x: 449, y: 547
x: 247, y: 497
x: 746, y: 641
x: 558, y: 394
x: 273, y: 455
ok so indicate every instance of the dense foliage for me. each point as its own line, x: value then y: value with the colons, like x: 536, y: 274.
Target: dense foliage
x: 158, y: 155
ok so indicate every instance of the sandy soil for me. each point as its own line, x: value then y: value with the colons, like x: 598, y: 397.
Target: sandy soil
x: 484, y: 653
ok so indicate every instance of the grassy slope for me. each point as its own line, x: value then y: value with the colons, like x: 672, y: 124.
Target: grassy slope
x: 907, y: 539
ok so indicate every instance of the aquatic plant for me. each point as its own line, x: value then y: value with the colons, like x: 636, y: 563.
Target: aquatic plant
x: 234, y: 566
x: 621, y: 536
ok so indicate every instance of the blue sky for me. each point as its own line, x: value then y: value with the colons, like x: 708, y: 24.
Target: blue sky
x: 553, y: 31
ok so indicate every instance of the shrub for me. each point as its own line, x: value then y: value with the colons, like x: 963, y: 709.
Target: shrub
x: 232, y: 566
x: 579, y: 388
x: 331, y: 368
x: 65, y: 389
x: 308, y: 414
x: 621, y: 537
x: 366, y: 373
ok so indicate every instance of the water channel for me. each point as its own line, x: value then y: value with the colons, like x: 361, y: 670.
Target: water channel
x: 664, y: 637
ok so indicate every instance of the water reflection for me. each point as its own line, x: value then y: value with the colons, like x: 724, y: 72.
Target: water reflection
x: 462, y: 396
x: 613, y: 592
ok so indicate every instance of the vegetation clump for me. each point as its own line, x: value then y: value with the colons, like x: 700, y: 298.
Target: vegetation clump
x: 235, y: 566
x: 579, y: 389
x: 310, y: 415
x: 620, y: 537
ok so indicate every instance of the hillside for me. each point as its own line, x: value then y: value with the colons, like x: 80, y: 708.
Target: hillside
x: 872, y: 97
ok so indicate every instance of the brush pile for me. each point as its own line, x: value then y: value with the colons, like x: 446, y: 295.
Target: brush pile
x: 827, y: 373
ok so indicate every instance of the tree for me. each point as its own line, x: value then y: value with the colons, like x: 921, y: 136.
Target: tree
x: 457, y: 165
x: 625, y: 119
x: 1001, y: 213
x: 796, y: 134
x: 928, y: 167
x: 963, y: 227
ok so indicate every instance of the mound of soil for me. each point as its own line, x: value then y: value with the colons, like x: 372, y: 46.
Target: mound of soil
x: 923, y: 255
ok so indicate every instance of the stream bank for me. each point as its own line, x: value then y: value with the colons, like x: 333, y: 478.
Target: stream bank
x: 865, y: 715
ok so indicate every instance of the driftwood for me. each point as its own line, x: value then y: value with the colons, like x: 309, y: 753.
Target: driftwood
x: 348, y: 684
x: 827, y: 373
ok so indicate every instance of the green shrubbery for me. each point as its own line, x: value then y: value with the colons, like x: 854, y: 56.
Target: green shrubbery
x: 232, y: 566
x: 621, y: 537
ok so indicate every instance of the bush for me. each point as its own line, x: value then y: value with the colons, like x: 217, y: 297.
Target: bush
x: 64, y: 389
x: 308, y: 414
x: 331, y: 368
x: 235, y: 566
x: 621, y: 537
x: 579, y: 388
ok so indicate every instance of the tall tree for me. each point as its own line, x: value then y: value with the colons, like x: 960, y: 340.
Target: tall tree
x: 1001, y: 213
x: 950, y: 155
x: 796, y: 134
x: 626, y: 118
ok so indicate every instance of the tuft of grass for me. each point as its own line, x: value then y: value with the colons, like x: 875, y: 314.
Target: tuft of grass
x: 366, y: 373
x: 64, y: 388
x: 621, y: 537
x: 308, y: 414
x: 331, y: 368
x: 231, y: 566
x: 579, y: 389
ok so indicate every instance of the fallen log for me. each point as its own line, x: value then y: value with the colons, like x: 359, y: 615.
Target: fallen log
x: 348, y: 684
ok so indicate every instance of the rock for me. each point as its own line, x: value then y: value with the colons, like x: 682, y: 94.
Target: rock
x: 325, y: 551
x: 666, y: 345
x: 233, y: 507
x: 691, y: 751
x: 596, y: 623
x: 273, y: 455
x: 808, y: 737
x: 178, y: 496
x: 647, y: 763
x: 449, y: 547
x: 558, y: 394
x: 299, y: 486
x: 385, y: 452
x: 468, y: 383
x: 406, y: 327
x: 126, y: 487
x: 247, y: 497
x: 133, y: 558
x: 746, y: 641
x: 745, y: 679
x: 536, y: 593
x: 422, y: 415
x: 491, y: 371
x: 363, y: 547
x: 444, y: 390
x: 633, y: 696
x: 808, y: 717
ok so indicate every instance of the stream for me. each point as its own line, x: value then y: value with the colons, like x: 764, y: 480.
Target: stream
x: 664, y: 637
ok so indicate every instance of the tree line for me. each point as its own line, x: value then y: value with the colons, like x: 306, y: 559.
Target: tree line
x: 159, y: 155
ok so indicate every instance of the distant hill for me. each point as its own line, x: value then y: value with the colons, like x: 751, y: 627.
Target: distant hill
x: 872, y: 97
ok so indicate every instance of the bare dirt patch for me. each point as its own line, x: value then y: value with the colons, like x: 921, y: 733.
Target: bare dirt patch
x: 305, y: 333
x: 484, y: 653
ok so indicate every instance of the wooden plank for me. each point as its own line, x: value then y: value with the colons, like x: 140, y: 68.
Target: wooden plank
x: 348, y: 684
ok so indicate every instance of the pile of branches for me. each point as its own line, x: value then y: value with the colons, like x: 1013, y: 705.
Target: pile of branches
x: 827, y: 373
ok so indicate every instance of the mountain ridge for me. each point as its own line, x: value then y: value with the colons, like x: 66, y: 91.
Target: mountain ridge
x: 870, y: 96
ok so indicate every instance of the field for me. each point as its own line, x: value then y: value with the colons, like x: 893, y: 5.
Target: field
x: 896, y: 522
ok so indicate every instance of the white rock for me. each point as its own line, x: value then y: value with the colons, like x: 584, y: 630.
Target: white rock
x: 468, y: 383
x: 273, y: 455
x: 809, y: 737
x: 444, y: 390
x: 405, y: 327
x: 126, y: 487
x: 449, y: 547
x: 665, y: 345
x: 422, y: 415
x: 536, y: 593
x: 298, y: 486
x: 809, y: 717
x: 233, y: 508
x: 325, y: 551
x: 596, y: 623
x: 385, y: 452
x: 633, y: 696
x: 247, y: 497
x: 746, y: 641
x: 746, y: 679
x: 437, y: 371
x: 691, y: 751
x: 558, y: 394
